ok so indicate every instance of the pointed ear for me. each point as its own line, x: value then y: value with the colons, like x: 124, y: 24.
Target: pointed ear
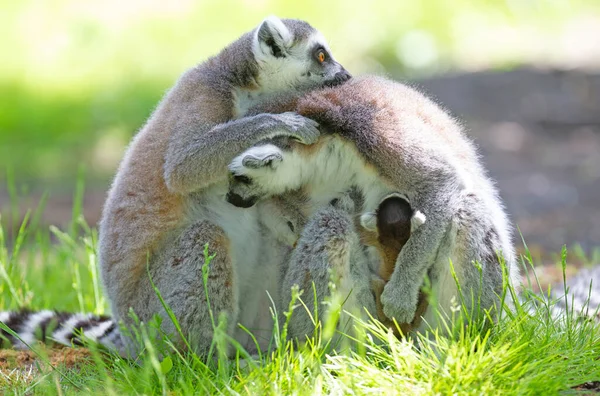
x: 395, y: 195
x: 272, y: 38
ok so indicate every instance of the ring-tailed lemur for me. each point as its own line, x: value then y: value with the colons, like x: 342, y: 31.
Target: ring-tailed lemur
x: 167, y: 199
x: 386, y: 137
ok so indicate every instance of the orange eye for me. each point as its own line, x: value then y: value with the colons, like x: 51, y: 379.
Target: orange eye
x: 321, y: 56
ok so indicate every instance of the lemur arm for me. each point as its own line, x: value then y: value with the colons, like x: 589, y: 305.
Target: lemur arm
x: 195, y: 160
x: 419, y: 254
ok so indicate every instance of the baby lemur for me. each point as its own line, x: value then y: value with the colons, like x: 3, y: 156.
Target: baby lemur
x: 385, y: 137
x: 387, y: 230
x: 167, y: 199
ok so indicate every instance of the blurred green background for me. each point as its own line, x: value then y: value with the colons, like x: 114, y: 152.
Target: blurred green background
x: 78, y: 78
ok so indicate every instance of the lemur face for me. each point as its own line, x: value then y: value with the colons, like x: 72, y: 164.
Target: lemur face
x: 293, y: 55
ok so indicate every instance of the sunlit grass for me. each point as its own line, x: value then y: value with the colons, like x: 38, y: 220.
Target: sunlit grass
x: 529, y: 351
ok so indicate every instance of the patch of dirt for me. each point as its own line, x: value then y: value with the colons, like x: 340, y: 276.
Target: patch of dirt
x: 11, y: 359
x: 588, y: 388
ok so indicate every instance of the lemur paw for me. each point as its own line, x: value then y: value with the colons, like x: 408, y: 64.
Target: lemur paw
x: 301, y: 128
x: 398, y: 304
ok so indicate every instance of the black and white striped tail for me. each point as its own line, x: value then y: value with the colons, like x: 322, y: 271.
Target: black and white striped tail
x: 64, y: 328
x: 583, y: 296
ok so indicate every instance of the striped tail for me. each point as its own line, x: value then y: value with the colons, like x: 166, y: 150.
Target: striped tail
x: 64, y: 328
x: 580, y: 299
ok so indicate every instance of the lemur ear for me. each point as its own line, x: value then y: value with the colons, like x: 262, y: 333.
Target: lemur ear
x: 368, y: 221
x: 272, y: 38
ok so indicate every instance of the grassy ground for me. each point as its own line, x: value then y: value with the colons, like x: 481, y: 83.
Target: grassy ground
x: 523, y: 354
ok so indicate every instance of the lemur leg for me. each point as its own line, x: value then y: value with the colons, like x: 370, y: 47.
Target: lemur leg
x: 475, y: 248
x: 177, y: 273
x: 328, y: 250
x: 474, y: 245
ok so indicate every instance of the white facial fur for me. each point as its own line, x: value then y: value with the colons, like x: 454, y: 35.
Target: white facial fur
x: 296, y: 69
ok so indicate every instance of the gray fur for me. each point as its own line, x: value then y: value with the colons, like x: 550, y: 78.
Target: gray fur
x: 194, y: 155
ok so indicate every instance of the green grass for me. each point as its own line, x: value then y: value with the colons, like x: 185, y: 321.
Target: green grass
x: 525, y: 353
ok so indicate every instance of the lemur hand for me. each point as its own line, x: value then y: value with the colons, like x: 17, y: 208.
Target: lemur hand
x: 303, y: 129
x: 399, y: 303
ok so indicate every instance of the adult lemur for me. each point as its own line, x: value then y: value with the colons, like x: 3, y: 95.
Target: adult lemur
x: 388, y: 137
x: 167, y: 199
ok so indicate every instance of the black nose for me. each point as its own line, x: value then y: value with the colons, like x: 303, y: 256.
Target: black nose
x: 237, y: 200
x: 343, y: 75
x: 340, y: 77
